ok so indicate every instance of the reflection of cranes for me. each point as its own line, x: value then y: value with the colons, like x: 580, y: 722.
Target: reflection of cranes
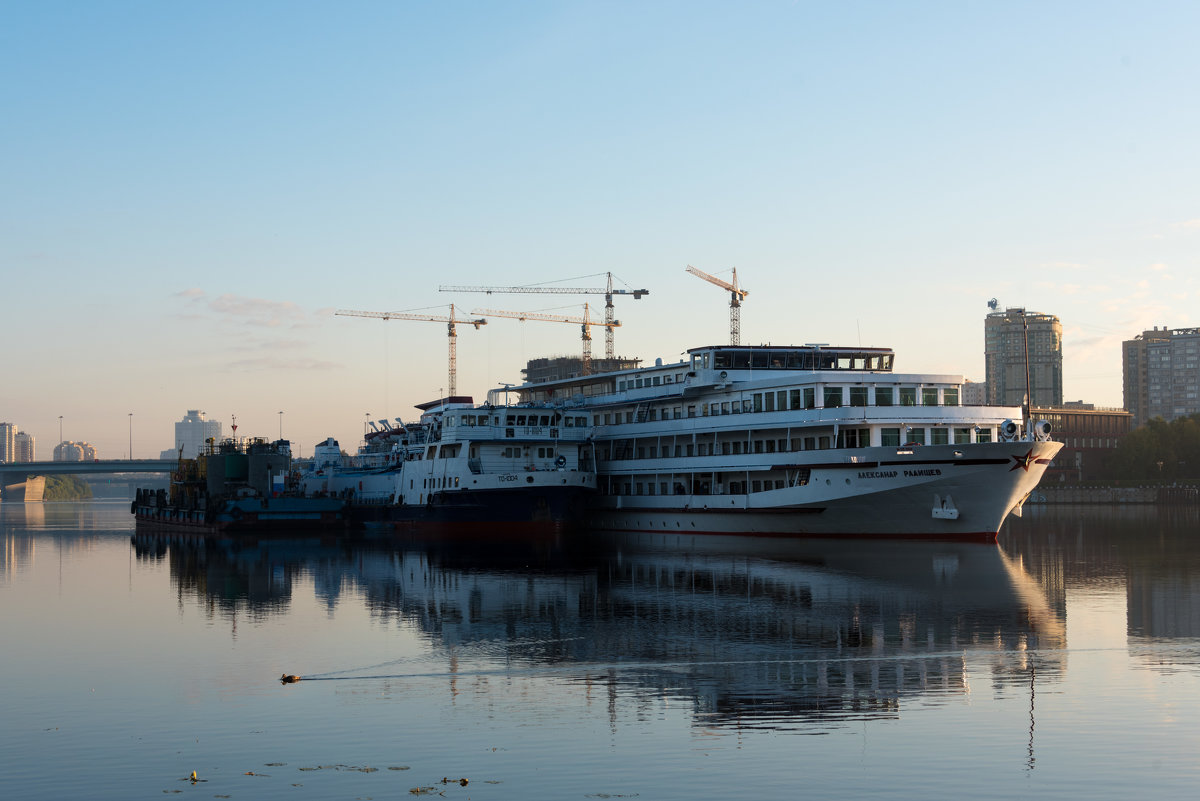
x: 583, y: 321
x: 607, y: 291
x: 736, y: 296
x: 429, y: 318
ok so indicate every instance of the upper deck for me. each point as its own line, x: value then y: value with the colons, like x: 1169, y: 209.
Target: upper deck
x: 805, y: 358
x: 722, y: 368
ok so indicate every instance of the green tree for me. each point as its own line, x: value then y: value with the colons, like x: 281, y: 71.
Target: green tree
x: 1159, y: 451
x: 66, y: 488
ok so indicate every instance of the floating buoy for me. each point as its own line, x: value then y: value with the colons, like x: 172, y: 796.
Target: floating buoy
x: 286, y: 679
x: 193, y: 777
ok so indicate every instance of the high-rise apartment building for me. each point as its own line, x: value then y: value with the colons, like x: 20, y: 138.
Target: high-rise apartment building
x: 192, y: 432
x: 74, y: 452
x: 1161, y: 371
x: 8, y: 434
x: 24, y: 447
x: 1004, y: 334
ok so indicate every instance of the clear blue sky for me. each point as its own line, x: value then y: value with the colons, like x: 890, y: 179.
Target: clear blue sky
x: 188, y: 190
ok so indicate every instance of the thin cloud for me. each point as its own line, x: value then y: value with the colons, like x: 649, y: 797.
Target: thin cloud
x: 257, y: 311
x: 277, y: 363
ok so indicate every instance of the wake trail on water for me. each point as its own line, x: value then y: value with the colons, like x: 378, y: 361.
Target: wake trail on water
x: 359, y: 673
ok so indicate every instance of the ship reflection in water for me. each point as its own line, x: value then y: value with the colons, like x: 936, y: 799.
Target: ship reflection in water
x: 750, y: 633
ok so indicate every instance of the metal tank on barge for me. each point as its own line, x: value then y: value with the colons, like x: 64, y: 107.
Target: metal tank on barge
x: 236, y: 487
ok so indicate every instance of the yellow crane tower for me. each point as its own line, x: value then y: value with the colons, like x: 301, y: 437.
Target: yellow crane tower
x: 429, y: 318
x: 607, y: 291
x: 736, y: 296
x: 584, y: 321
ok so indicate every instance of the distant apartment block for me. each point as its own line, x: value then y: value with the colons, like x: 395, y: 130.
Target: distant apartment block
x: 8, y: 434
x: 74, y: 452
x: 192, y: 434
x: 556, y: 368
x: 974, y: 393
x: 1161, y: 371
x: 25, y: 447
x: 1004, y: 351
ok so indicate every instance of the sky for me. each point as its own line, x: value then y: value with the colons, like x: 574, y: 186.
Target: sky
x: 189, y: 191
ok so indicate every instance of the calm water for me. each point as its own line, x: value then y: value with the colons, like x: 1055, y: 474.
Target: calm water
x: 1064, y: 662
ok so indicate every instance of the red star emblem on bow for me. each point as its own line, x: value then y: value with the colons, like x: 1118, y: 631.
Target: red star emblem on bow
x: 1023, y: 462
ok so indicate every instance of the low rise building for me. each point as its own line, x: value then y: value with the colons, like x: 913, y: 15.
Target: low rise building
x: 1088, y: 436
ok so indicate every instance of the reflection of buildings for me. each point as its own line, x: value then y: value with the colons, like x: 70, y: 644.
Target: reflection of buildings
x: 1147, y: 551
x: 814, y: 632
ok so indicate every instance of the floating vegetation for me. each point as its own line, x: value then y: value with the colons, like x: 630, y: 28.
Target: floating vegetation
x: 423, y: 790
x: 274, y: 764
x: 399, y: 767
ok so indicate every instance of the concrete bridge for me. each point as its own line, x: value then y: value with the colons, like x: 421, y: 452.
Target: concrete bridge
x: 25, y: 481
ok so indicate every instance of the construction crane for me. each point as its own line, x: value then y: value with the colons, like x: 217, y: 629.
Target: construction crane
x: 736, y: 296
x: 429, y: 318
x: 584, y: 321
x: 607, y: 291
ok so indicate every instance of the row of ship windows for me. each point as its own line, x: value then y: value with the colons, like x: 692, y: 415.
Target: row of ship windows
x: 709, y: 484
x: 792, y: 399
x: 846, y: 438
x: 649, y: 381
x: 804, y: 359
x: 515, y: 420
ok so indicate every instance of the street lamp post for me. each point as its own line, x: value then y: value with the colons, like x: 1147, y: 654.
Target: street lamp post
x: 131, y: 436
x: 60, y: 439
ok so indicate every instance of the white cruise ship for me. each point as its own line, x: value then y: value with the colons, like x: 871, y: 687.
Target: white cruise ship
x: 801, y: 441
x: 490, y: 470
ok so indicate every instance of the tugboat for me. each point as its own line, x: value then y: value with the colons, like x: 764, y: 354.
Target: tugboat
x: 236, y: 487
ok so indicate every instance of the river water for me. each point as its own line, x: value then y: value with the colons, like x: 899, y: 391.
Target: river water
x: 1062, y: 662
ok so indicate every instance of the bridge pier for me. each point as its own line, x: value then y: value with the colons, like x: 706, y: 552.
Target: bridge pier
x: 20, y: 488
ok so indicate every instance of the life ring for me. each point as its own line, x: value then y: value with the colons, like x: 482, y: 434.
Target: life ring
x: 560, y: 462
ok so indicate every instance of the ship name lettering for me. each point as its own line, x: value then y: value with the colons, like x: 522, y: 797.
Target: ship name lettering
x: 507, y: 477
x: 932, y: 471
x: 876, y: 473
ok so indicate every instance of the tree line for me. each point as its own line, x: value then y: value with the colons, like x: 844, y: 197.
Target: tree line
x: 1158, y: 451
x: 66, y: 488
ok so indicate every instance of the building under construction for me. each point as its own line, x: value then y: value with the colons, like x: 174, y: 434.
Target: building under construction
x: 555, y: 368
